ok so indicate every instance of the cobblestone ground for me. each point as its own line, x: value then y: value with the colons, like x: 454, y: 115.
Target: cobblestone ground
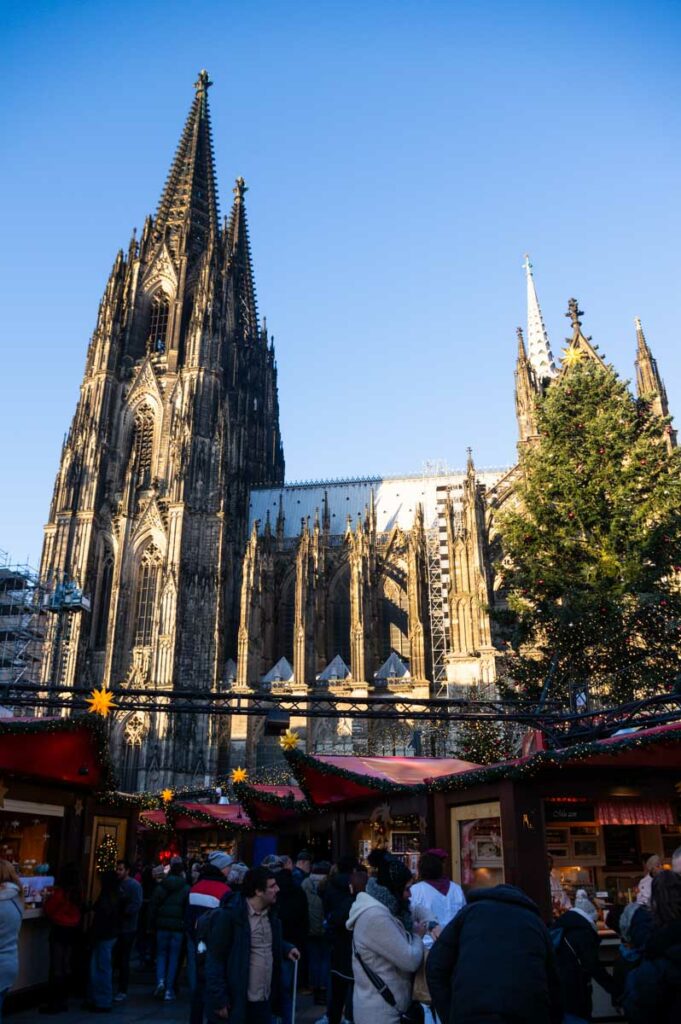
x: 141, y: 1006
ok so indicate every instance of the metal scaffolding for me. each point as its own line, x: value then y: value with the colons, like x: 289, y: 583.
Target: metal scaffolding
x: 436, y: 611
x: 22, y: 624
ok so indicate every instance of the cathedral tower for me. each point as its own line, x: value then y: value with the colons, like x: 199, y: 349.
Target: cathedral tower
x: 177, y: 419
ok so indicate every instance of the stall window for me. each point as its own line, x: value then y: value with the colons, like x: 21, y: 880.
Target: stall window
x: 29, y: 839
x: 478, y: 854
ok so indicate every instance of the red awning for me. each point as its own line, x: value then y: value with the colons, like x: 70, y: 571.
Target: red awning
x: 330, y: 780
x: 182, y: 816
x: 270, y: 805
x: 71, y: 751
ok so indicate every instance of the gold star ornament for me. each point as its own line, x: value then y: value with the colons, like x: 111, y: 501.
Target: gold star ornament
x: 167, y: 795
x: 572, y: 356
x: 239, y: 775
x: 101, y: 702
x: 290, y: 740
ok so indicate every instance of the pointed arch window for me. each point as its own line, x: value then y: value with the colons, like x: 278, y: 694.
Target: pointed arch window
x: 147, y: 592
x: 158, y: 326
x: 143, y: 446
x: 105, y: 585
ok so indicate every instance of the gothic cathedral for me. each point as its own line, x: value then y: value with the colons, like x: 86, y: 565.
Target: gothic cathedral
x: 202, y: 569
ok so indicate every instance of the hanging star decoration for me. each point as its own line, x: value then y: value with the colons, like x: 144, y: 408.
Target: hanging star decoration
x: 290, y: 740
x: 101, y: 702
x: 167, y: 795
x: 572, y: 356
x: 239, y: 775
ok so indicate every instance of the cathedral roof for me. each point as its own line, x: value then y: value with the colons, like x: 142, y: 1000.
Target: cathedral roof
x: 336, y: 669
x: 393, y: 668
x: 396, y: 500
x: 282, y: 672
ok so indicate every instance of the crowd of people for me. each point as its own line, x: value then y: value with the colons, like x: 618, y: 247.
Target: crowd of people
x: 369, y: 942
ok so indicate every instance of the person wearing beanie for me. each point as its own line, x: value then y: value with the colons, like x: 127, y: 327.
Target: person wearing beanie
x: 577, y: 957
x: 383, y: 946
x: 210, y: 892
x: 434, y: 897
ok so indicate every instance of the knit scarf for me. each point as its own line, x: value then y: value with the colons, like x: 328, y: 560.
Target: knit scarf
x: 396, y: 907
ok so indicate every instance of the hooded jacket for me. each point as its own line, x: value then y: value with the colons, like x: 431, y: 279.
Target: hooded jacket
x: 390, y: 952
x: 11, y: 914
x: 653, y: 989
x: 167, y: 910
x: 494, y: 963
x: 578, y: 963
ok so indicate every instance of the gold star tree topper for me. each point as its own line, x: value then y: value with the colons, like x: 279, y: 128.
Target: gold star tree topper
x: 101, y: 702
x: 167, y: 795
x: 572, y: 356
x: 239, y: 775
x: 290, y: 740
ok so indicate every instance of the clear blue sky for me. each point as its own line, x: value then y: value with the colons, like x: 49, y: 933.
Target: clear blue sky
x: 401, y: 158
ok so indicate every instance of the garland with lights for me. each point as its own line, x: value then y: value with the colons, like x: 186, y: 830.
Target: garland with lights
x: 546, y: 759
x: 107, y: 854
x: 299, y: 761
x: 249, y: 797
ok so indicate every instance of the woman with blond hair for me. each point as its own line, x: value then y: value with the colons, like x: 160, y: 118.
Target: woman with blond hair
x: 11, y: 915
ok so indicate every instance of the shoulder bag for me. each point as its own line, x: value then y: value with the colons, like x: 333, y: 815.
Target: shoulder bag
x: 414, y: 1012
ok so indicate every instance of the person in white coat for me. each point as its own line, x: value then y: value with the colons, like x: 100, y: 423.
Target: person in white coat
x: 11, y: 915
x: 434, y: 897
x: 383, y: 945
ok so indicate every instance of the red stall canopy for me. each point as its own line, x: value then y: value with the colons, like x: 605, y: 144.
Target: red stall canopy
x: 70, y: 751
x: 331, y: 780
x: 269, y: 805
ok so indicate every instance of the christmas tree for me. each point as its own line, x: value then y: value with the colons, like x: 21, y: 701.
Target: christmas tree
x: 107, y: 854
x: 483, y: 742
x: 592, y: 548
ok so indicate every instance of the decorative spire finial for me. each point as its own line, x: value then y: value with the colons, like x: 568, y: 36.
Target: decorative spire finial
x: 574, y: 313
x: 203, y: 82
x: 240, y: 189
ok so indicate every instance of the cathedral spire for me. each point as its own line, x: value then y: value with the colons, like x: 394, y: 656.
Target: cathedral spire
x: 539, y: 348
x: 526, y: 390
x: 649, y: 383
x: 241, y: 265
x: 188, y: 210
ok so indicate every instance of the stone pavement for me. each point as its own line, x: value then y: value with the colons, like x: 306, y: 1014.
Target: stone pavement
x: 142, y: 1007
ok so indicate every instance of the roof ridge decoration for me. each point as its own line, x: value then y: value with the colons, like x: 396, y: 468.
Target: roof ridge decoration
x: 538, y: 345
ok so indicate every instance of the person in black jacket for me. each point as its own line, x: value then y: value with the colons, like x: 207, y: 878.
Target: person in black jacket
x: 103, y: 932
x: 339, y: 895
x: 494, y: 963
x: 294, y: 916
x: 577, y: 957
x: 245, y: 952
x: 653, y: 989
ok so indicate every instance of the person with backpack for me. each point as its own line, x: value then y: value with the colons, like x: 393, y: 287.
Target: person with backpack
x: 167, y: 918
x: 317, y: 942
x: 576, y: 942
x: 209, y: 893
x: 495, y: 962
x: 103, y: 932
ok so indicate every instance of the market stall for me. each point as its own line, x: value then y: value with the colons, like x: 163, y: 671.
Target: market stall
x: 193, y: 829
x: 57, y: 806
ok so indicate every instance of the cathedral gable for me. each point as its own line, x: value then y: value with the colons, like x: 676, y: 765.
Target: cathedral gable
x: 145, y: 385
x: 161, y: 273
